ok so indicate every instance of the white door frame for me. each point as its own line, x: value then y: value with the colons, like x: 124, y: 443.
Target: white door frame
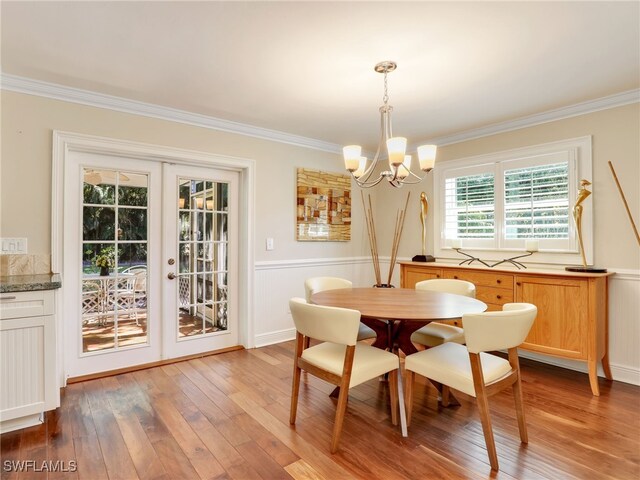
x: 65, y: 142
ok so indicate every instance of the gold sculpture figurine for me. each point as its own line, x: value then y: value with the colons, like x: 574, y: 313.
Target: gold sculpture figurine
x: 583, y: 193
x: 424, y: 208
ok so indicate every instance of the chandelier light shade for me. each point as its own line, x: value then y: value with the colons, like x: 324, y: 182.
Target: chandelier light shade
x: 399, y: 172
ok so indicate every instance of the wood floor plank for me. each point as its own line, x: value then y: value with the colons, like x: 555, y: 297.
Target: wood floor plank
x: 317, y: 459
x: 145, y: 459
x: 218, y: 445
x: 266, y: 440
x: 168, y: 407
x: 301, y: 470
x: 10, y: 452
x: 197, y: 372
x: 227, y: 417
x: 60, y: 442
x: 173, y: 459
x: 90, y: 460
x: 262, y: 462
x: 114, y: 449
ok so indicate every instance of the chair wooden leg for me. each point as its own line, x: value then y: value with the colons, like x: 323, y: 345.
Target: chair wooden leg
x: 343, y: 397
x: 408, y: 394
x: 295, y: 389
x: 307, y: 340
x: 483, y: 407
x: 340, y: 412
x: 445, y: 395
x: 393, y: 395
x: 295, y: 384
x: 517, y: 395
x: 522, y: 424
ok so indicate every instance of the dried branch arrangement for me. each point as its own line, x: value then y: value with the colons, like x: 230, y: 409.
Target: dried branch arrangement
x: 373, y: 241
x: 624, y: 200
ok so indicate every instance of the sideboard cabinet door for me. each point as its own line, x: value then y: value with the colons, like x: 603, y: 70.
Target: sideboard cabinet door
x: 560, y: 327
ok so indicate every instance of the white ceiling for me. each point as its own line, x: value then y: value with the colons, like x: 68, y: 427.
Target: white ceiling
x: 306, y: 68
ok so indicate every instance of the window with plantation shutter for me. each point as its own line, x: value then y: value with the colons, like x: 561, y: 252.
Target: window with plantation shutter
x: 499, y: 201
x: 536, y: 202
x: 470, y: 211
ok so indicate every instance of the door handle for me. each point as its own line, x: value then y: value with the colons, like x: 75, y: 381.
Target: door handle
x: 171, y: 275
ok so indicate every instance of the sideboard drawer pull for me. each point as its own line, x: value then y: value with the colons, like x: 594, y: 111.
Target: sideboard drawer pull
x: 498, y: 297
x: 499, y: 281
x: 455, y: 276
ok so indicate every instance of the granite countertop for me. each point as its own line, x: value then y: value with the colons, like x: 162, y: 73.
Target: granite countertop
x: 29, y: 283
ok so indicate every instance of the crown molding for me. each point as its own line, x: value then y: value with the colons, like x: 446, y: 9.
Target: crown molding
x: 604, y: 103
x: 29, y: 86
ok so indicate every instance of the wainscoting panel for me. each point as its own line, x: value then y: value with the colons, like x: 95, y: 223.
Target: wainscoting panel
x: 22, y: 370
x: 624, y: 326
x: 277, y: 282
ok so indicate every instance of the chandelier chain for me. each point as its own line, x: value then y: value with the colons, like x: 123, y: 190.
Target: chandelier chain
x: 385, y: 98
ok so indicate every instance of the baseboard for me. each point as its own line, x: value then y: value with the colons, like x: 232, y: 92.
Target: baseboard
x: 264, y: 339
x: 620, y: 373
x: 625, y: 374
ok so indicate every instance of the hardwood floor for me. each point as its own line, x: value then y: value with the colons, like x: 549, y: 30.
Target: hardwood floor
x: 226, y: 416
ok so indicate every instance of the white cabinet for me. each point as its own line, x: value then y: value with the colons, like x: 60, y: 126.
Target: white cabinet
x: 27, y: 358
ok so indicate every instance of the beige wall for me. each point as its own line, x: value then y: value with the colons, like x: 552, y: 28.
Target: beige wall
x: 27, y: 126
x: 25, y: 198
x: 616, y: 137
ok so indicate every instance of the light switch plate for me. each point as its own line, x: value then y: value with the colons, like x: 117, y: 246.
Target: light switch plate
x: 13, y: 246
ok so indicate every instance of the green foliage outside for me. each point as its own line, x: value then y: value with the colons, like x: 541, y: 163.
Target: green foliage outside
x: 105, y: 220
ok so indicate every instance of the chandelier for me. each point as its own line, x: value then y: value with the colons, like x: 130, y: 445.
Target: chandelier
x: 399, y: 172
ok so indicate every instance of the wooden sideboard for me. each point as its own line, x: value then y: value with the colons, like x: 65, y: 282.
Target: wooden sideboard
x: 572, y: 319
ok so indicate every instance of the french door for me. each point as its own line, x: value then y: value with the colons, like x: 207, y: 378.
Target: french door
x: 150, y: 263
x: 200, y: 260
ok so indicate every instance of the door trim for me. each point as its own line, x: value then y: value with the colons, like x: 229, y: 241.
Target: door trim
x: 65, y: 142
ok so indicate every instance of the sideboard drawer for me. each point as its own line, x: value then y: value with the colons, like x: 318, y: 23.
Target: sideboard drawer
x: 411, y: 276
x: 488, y: 279
x: 493, y: 295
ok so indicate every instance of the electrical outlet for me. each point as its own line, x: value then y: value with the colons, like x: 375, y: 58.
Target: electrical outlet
x: 13, y: 246
x: 270, y: 243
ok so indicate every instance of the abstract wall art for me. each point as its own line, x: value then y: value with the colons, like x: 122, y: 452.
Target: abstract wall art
x: 323, y: 210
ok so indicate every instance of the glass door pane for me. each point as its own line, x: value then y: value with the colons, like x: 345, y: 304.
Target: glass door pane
x: 114, y: 259
x: 203, y: 241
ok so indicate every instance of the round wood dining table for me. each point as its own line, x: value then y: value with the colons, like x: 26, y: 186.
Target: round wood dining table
x: 395, y: 313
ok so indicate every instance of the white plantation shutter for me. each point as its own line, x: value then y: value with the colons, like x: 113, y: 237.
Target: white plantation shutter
x: 536, y: 202
x: 469, y: 206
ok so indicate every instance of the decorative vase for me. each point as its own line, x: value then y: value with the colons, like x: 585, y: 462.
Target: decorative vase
x: 104, y: 271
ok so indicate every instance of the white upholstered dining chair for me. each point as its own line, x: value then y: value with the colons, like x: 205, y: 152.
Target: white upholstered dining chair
x: 469, y: 370
x: 320, y: 284
x: 340, y: 359
x: 438, y: 333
